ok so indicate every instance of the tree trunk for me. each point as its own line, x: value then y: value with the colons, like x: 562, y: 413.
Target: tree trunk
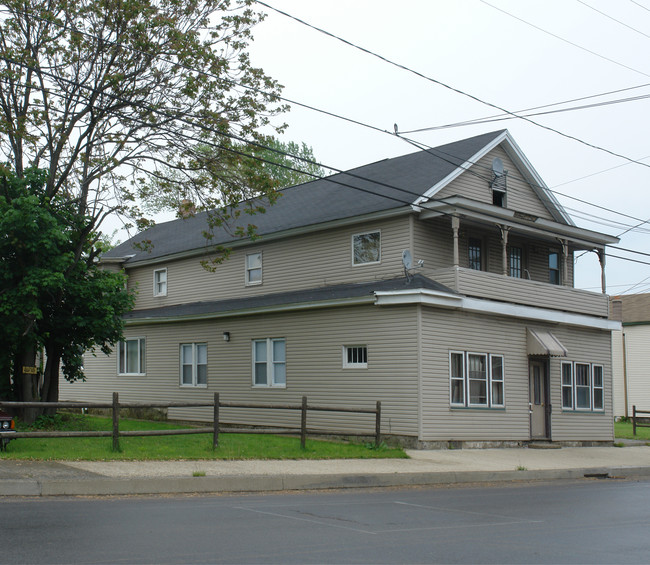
x: 50, y: 392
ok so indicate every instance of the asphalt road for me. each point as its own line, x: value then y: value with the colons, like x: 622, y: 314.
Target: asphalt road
x: 586, y: 521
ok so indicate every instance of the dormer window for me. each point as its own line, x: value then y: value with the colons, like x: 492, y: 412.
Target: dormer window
x: 498, y: 183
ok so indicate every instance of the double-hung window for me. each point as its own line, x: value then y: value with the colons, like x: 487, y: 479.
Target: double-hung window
x: 160, y: 282
x: 254, y: 268
x: 516, y: 267
x: 131, y: 356
x: 553, y: 267
x: 582, y: 386
x: 269, y: 362
x: 476, y: 380
x: 474, y: 248
x: 366, y: 248
x: 194, y: 364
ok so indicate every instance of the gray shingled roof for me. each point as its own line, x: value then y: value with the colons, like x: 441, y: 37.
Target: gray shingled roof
x: 339, y: 196
x: 298, y: 297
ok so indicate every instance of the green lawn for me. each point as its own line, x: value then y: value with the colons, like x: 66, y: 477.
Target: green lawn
x: 196, y: 446
x: 623, y: 430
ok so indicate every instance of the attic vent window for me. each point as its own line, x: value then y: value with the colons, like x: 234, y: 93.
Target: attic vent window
x: 498, y: 183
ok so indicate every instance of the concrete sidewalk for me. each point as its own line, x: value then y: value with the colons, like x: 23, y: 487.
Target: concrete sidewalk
x: 34, y: 478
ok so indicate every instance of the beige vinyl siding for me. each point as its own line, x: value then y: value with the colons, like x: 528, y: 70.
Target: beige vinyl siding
x: 519, y: 195
x: 637, y: 357
x: 314, y: 351
x: 584, y: 346
x: 312, y: 260
x: 433, y: 243
x: 444, y: 331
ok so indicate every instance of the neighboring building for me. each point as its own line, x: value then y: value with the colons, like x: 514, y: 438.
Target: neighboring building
x: 486, y: 341
x: 631, y: 353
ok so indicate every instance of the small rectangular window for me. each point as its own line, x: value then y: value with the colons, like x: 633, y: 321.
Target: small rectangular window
x: 269, y: 362
x: 477, y: 379
x: 160, y: 282
x: 497, y: 396
x: 254, y: 268
x: 457, y: 374
x: 515, y: 256
x: 583, y: 386
x: 554, y: 267
x: 355, y: 356
x: 599, y: 393
x: 567, y: 385
x: 194, y: 364
x: 131, y: 356
x: 366, y: 248
x: 474, y: 253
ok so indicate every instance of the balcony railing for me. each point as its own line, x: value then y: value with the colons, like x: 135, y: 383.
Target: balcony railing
x: 481, y: 284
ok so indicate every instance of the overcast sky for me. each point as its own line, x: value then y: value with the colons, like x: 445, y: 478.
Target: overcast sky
x: 567, y: 50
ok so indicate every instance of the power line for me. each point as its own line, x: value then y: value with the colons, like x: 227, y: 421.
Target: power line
x: 453, y: 89
x: 613, y: 19
x: 502, y: 117
x: 563, y: 39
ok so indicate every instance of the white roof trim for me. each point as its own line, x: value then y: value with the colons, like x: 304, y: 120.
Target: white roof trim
x: 481, y: 306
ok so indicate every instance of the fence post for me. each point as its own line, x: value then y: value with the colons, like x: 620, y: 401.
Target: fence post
x: 633, y: 420
x: 378, y: 424
x: 303, y: 422
x: 215, y: 440
x: 116, y: 422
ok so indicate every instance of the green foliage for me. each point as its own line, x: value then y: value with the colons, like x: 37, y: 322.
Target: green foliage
x: 53, y: 295
x: 623, y: 430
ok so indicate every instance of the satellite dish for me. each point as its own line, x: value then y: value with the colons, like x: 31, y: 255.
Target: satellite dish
x: 497, y: 166
x: 407, y: 260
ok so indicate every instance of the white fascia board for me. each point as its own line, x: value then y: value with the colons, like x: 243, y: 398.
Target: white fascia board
x: 265, y: 238
x: 480, y: 306
x: 360, y: 300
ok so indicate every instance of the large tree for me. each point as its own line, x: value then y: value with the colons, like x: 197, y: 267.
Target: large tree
x: 50, y: 299
x: 108, y: 96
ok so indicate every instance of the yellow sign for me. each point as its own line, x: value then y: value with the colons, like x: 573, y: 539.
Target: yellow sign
x: 29, y: 370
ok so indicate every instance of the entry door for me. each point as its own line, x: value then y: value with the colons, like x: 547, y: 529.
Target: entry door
x: 537, y: 400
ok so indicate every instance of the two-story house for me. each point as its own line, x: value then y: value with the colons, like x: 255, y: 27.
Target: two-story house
x: 439, y: 282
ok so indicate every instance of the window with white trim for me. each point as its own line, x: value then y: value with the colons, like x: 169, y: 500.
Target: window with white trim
x: 366, y: 248
x: 131, y: 356
x: 582, y: 386
x: 269, y: 362
x: 355, y: 356
x: 476, y: 380
x: 160, y: 282
x: 194, y: 364
x: 254, y: 268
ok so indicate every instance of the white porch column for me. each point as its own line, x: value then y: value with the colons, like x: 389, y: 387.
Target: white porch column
x: 504, y: 247
x: 455, y: 226
x: 565, y: 261
x: 601, y: 258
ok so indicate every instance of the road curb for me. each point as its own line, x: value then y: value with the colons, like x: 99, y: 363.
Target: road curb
x: 272, y: 483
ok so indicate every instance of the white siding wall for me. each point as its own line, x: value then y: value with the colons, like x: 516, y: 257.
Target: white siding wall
x: 618, y: 371
x: 637, y: 345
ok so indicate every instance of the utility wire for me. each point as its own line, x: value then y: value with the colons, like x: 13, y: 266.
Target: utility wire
x: 453, y: 89
x: 420, y: 146
x: 563, y: 39
x: 613, y: 19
